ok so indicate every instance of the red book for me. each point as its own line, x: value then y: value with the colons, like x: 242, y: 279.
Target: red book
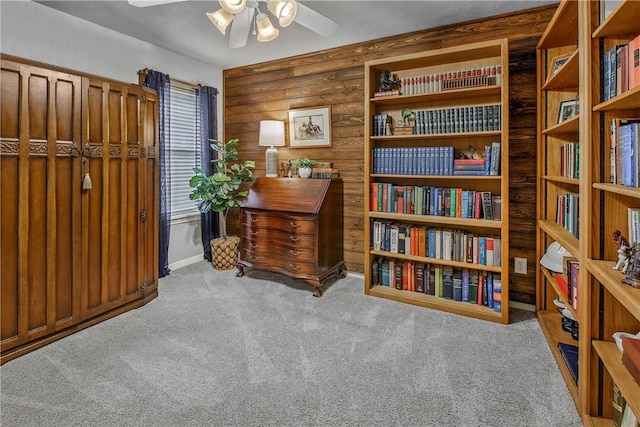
x: 562, y: 283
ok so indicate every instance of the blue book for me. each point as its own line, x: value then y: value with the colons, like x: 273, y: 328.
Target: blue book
x: 624, y: 136
x: 465, y: 204
x: 436, y: 201
x: 482, y: 250
x: 431, y: 243
x: 497, y: 294
x: 570, y: 355
x: 465, y: 285
x: 490, y: 290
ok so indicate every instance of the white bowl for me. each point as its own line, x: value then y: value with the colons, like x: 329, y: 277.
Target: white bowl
x: 619, y: 335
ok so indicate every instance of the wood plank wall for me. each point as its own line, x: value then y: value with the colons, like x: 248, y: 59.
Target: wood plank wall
x: 335, y: 77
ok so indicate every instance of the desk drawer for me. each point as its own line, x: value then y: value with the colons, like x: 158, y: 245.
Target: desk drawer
x: 299, y: 224
x: 296, y: 264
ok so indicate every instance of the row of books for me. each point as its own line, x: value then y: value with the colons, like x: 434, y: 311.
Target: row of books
x: 382, y: 125
x: 621, y: 68
x: 625, y: 143
x: 437, y: 201
x: 324, y: 173
x: 457, y: 284
x: 475, y: 118
x: 570, y: 160
x: 623, y: 416
x: 439, y: 160
x: 568, y: 280
x: 567, y: 212
x: 435, y: 82
x: 633, y: 218
x: 437, y: 243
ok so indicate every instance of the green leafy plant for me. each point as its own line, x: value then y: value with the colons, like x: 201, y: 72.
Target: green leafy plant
x: 305, y: 163
x: 222, y: 190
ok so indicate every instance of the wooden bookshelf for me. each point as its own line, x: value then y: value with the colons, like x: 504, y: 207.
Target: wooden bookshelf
x: 606, y: 305
x: 477, y: 56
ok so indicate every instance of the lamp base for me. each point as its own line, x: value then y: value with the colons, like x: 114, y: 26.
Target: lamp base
x: 271, y: 157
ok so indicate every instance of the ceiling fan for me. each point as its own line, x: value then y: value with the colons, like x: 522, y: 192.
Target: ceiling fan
x: 241, y: 14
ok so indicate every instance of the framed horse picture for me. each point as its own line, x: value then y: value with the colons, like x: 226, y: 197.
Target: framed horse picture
x: 310, y: 127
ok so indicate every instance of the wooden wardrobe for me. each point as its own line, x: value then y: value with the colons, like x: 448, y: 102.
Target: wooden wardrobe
x: 72, y: 256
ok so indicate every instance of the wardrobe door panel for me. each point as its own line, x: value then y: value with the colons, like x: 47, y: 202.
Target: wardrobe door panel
x: 40, y: 127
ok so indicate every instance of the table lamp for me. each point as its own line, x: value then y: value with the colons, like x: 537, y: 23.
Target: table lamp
x: 272, y: 136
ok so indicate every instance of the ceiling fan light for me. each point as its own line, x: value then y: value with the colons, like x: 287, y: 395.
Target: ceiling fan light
x: 233, y: 6
x: 266, y: 31
x: 284, y: 10
x: 221, y: 19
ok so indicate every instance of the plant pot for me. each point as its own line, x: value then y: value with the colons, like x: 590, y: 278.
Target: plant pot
x: 224, y: 252
x: 304, y: 172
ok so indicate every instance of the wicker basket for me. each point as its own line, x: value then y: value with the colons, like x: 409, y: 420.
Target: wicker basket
x: 224, y: 252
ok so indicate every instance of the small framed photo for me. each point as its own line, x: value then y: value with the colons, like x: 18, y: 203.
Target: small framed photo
x: 568, y: 109
x: 556, y: 63
x: 310, y: 127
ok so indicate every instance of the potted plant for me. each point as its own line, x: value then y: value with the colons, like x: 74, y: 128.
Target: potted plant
x: 220, y: 192
x: 304, y: 166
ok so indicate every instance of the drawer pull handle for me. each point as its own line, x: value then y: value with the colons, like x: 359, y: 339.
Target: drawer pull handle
x: 252, y: 246
x: 254, y: 219
x: 294, y: 267
x: 294, y: 253
x: 255, y: 233
x: 294, y: 225
x: 254, y: 258
x: 294, y: 238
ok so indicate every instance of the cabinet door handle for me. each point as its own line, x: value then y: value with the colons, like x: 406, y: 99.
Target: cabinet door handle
x: 294, y: 253
x: 255, y: 233
x: 294, y: 267
x: 294, y: 238
x: 294, y: 225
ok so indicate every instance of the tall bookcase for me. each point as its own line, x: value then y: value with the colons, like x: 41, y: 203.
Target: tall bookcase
x: 604, y: 304
x: 465, y: 112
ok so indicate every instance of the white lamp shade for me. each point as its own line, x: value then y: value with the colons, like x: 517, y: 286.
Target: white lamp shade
x: 284, y: 10
x: 221, y: 19
x: 271, y: 133
x: 266, y: 31
x: 233, y: 6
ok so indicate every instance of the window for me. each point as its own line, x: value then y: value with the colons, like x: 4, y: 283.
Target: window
x: 184, y: 147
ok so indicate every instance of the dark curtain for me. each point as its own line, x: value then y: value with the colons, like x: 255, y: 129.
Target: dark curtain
x: 207, y: 97
x: 161, y: 84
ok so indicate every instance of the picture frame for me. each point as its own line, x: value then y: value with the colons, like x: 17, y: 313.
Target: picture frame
x: 556, y: 63
x: 310, y: 127
x: 568, y: 109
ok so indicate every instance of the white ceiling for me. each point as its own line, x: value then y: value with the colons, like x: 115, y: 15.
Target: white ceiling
x: 185, y: 29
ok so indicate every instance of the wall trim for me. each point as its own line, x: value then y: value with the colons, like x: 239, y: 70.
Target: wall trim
x: 185, y: 262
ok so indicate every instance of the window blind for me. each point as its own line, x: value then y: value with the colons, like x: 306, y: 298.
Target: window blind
x: 184, y: 146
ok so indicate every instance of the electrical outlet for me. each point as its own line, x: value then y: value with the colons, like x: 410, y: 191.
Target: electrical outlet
x: 520, y: 265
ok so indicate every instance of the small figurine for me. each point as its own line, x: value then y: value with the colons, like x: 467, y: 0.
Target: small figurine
x: 623, y: 249
x: 386, y: 82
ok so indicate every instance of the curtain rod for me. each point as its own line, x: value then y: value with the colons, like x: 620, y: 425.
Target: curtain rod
x: 142, y: 75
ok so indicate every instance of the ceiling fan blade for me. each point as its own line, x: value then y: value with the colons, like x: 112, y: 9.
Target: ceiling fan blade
x: 240, y: 28
x: 315, y: 21
x: 145, y: 3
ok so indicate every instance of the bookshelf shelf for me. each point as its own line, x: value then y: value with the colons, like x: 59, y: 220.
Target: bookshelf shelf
x: 627, y: 100
x: 471, y: 93
x: 566, y: 78
x: 618, y: 189
x: 611, y: 358
x: 433, y: 219
x: 550, y: 324
x: 606, y: 305
x: 430, y: 301
x: 490, y: 55
x: 561, y: 179
x: 465, y: 135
